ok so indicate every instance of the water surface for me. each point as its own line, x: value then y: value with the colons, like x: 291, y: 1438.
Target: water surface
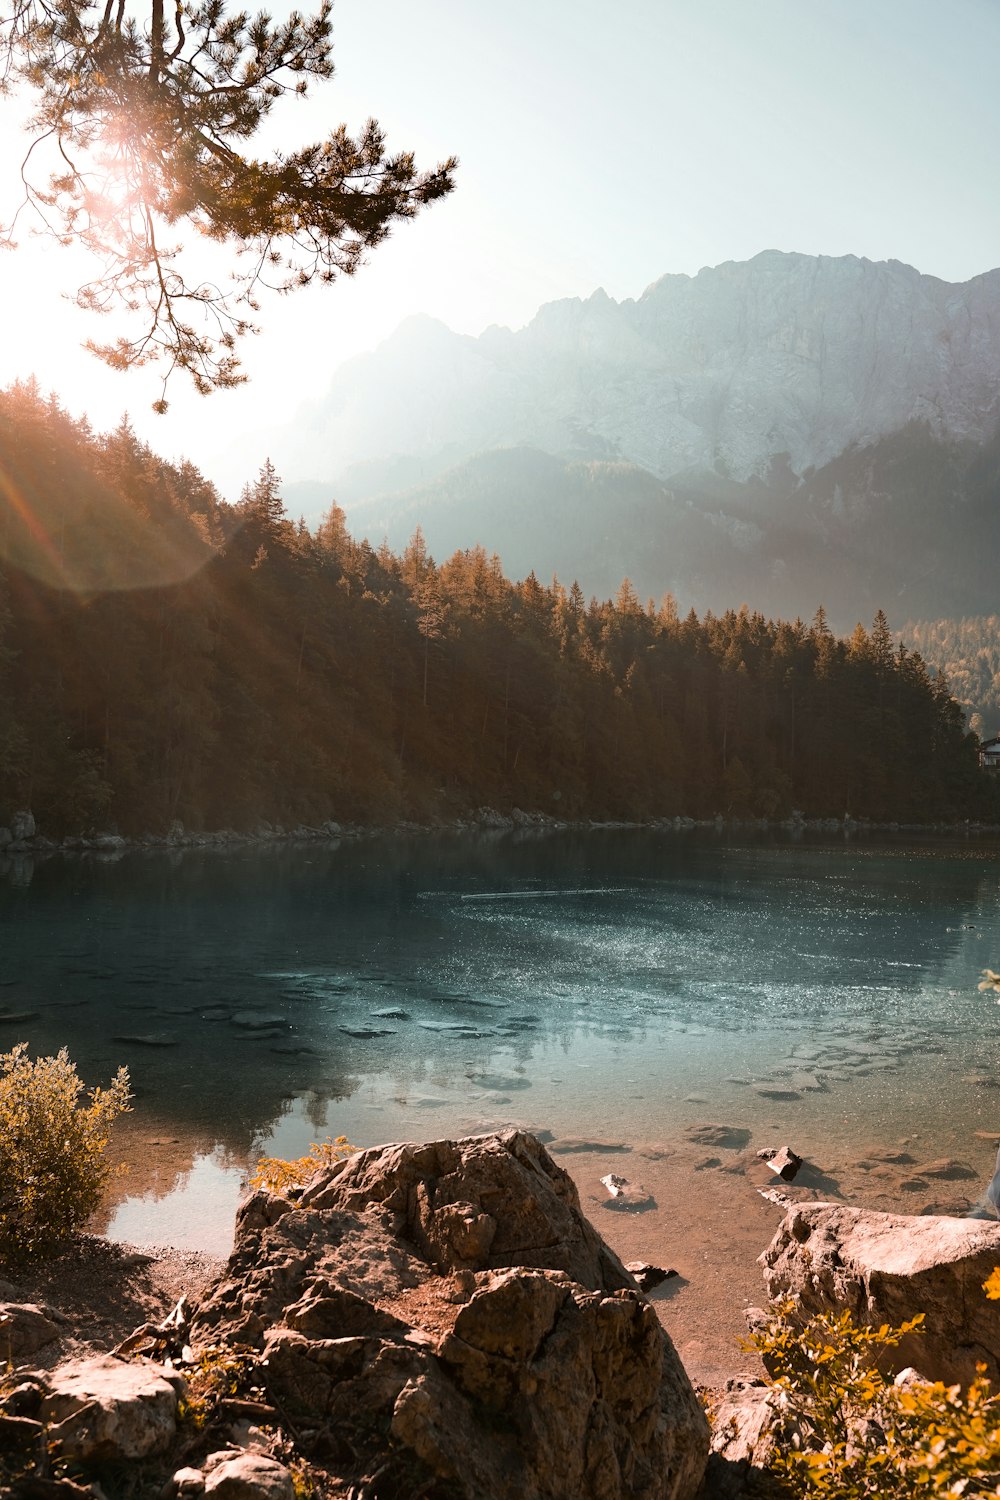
x: 611, y: 985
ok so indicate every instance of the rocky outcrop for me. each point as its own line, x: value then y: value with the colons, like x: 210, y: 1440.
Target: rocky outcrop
x: 446, y: 1313
x: 886, y: 1268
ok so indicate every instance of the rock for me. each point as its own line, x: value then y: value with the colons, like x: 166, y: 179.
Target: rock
x: 747, y: 1423
x: 947, y: 1170
x: 886, y: 1268
x: 109, y: 843
x: 105, y: 1409
x: 784, y: 1163
x: 26, y: 1327
x: 720, y: 1137
x: 627, y: 1197
x: 451, y: 1297
x: 743, y: 1422
x: 188, y: 1482
x: 647, y: 1276
x: 247, y: 1476
x: 569, y: 1145
x: 22, y: 826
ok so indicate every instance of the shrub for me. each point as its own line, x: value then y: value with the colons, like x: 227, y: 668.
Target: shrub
x: 850, y: 1433
x: 284, y: 1177
x: 52, y: 1145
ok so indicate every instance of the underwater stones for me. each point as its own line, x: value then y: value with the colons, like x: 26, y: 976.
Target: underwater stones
x: 625, y: 1196
x: 721, y: 1137
x: 947, y: 1170
x: 257, y: 1020
x: 147, y: 1039
x: 570, y: 1145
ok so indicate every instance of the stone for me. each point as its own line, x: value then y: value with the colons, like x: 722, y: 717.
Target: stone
x: 646, y: 1276
x: 784, y: 1163
x: 247, y: 1476
x: 22, y: 826
x: 628, y: 1197
x: 105, y: 1409
x: 109, y: 843
x: 452, y: 1295
x: 747, y: 1424
x: 947, y: 1170
x: 26, y: 1327
x: 720, y: 1137
x: 886, y: 1268
x: 569, y: 1145
x: 188, y: 1482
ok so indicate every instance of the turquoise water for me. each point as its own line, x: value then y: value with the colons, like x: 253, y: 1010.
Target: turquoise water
x: 610, y: 985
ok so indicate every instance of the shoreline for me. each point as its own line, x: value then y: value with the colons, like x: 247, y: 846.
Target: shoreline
x: 708, y: 1207
x: 486, y: 822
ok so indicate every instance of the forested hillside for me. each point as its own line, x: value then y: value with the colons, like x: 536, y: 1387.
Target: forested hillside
x: 967, y: 651
x: 166, y: 656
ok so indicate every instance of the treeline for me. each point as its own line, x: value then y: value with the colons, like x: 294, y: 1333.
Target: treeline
x: 165, y: 656
x: 967, y: 651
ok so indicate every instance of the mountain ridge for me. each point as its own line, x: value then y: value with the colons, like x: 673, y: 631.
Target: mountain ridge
x: 744, y: 390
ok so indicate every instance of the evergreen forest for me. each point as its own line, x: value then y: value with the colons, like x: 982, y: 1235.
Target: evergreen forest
x: 166, y: 656
x: 967, y: 651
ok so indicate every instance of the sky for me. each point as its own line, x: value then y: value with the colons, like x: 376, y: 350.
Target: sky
x: 600, y: 145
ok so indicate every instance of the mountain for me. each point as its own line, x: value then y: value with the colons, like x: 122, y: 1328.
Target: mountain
x: 787, y: 429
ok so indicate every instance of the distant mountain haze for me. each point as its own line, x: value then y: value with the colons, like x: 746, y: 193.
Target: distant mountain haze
x: 781, y: 430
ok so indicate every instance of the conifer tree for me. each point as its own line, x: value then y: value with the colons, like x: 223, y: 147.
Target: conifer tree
x: 142, y: 129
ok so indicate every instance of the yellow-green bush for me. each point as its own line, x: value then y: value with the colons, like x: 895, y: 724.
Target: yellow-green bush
x: 283, y: 1177
x: 850, y: 1433
x: 52, y: 1150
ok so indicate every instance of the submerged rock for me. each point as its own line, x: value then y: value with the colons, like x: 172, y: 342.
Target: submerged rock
x: 886, y: 1268
x: 447, y: 1310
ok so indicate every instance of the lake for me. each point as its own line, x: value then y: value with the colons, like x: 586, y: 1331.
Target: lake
x: 613, y: 985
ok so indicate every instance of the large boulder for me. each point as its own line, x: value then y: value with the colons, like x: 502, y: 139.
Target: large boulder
x: 446, y: 1311
x: 102, y: 1409
x: 886, y: 1268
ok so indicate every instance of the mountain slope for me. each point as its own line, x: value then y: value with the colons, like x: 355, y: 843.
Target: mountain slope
x: 760, y: 431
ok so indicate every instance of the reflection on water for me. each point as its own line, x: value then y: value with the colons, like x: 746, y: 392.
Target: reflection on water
x: 612, y: 984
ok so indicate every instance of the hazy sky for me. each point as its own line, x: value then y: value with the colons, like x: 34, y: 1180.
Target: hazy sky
x: 601, y: 145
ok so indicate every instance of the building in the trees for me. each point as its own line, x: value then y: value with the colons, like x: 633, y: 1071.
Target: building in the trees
x: 989, y: 754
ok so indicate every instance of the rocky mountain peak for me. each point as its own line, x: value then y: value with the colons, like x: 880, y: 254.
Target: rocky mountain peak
x: 783, y: 354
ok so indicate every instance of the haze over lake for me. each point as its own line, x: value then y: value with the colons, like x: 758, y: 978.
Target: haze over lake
x: 612, y: 986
